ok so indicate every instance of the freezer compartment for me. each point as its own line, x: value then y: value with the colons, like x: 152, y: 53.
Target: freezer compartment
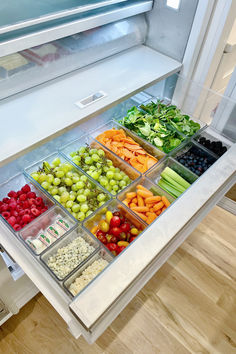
x: 47, y: 229
x: 15, y: 184
x: 194, y: 157
x: 150, y: 149
x: 154, y: 207
x: 209, y: 141
x: 103, y: 216
x: 155, y: 176
x: 69, y: 253
x: 100, y: 163
x: 78, y: 184
x: 83, y: 276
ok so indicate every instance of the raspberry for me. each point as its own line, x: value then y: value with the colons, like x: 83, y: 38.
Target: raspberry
x: 22, y: 212
x: 14, y: 213
x: 25, y: 204
x: 26, y: 188
x: 26, y: 218
x: 35, y: 212
x: 6, y: 200
x: 31, y: 195
x: 6, y: 214
x: 4, y: 207
x: 23, y: 197
x: 13, y: 205
x: 26, y: 211
x: 17, y: 227
x: 11, y: 220
x: 39, y: 201
x: 19, y: 193
x: 12, y: 194
x: 31, y: 201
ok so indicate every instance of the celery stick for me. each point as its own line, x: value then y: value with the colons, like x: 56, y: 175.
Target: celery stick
x: 172, y: 182
x: 168, y: 188
x: 171, y: 173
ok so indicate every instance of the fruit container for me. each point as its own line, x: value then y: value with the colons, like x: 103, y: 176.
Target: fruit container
x: 149, y: 148
x: 91, y: 243
x: 202, y: 124
x: 88, y: 141
x: 38, y: 227
x: 206, y: 135
x: 93, y: 187
x: 100, y: 254
x: 150, y: 186
x: 196, y: 165
x: 15, y: 184
x: 94, y: 223
x: 155, y: 174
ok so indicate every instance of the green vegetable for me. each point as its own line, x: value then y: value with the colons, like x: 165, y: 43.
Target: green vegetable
x: 175, y: 176
x: 172, y: 182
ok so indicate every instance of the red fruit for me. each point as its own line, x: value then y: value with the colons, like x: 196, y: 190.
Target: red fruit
x: 31, y: 201
x: 120, y: 249
x: 25, y: 204
x: 14, y: 213
x: 4, y: 207
x: 11, y: 220
x: 26, y: 188
x: 22, y: 197
x: 26, y: 218
x: 6, y: 200
x: 115, y: 221
x: 100, y: 233
x: 1, y: 203
x: 114, y: 239
x: 125, y: 227
x: 19, y: 193
x: 12, y: 194
x: 18, y: 219
x: 21, y: 212
x: 35, y: 212
x: 6, y: 214
x: 122, y: 236
x: 17, y: 227
x: 31, y: 195
x: 102, y: 238
x: 132, y: 238
x: 112, y: 246
x: 116, y: 213
x: 38, y: 201
x: 115, y: 231
x: 13, y: 205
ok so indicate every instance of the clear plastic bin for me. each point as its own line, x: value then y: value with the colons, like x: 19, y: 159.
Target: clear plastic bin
x: 149, y: 148
x: 131, y: 172
x: 65, y: 241
x: 113, y: 206
x: 33, y: 168
x: 155, y: 174
x: 15, y: 184
x: 195, y: 148
x: 208, y: 136
x: 101, y: 254
x: 147, y: 183
x: 41, y: 224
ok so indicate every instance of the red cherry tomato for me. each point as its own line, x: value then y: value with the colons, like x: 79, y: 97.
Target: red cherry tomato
x: 115, y: 221
x: 122, y: 236
x: 116, y: 213
x: 102, y: 238
x: 121, y: 248
x: 100, y: 233
x: 115, y: 231
x: 125, y: 227
x: 132, y: 238
x: 112, y: 246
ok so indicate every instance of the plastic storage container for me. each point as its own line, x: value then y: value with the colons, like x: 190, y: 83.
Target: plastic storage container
x: 100, y: 254
x: 66, y: 240
x: 87, y: 140
x: 15, y: 184
x: 208, y: 136
x: 42, y: 223
x: 150, y: 149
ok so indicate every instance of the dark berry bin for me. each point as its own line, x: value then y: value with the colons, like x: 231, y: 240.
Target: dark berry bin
x: 212, y: 144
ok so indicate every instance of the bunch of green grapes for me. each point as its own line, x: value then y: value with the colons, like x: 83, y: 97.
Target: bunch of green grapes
x: 71, y: 189
x: 94, y: 162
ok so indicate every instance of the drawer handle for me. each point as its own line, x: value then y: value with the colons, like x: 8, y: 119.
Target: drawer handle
x: 91, y: 99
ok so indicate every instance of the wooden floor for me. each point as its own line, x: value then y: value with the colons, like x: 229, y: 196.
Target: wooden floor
x: 189, y: 306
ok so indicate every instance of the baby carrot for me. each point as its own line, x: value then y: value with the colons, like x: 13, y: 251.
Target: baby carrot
x: 155, y: 199
x: 158, y: 212
x: 142, y: 209
x: 144, y: 194
x: 131, y: 195
x: 165, y: 201
x: 140, y: 200
x: 139, y: 186
x: 133, y: 205
x: 158, y: 206
x: 163, y: 209
x: 142, y: 216
x: 125, y: 201
x: 151, y: 217
x: 135, y: 200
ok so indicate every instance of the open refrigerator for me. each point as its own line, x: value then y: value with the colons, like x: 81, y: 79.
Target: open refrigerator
x: 67, y: 74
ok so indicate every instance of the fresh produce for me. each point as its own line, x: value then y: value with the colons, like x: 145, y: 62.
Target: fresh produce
x: 152, y: 128
x: 215, y: 146
x: 124, y: 146
x: 172, y: 182
x: 69, y: 257
x: 87, y: 275
x: 196, y: 160
x: 21, y: 207
x: 94, y: 162
x: 116, y: 231
x: 145, y: 204
x: 70, y: 188
x: 170, y: 114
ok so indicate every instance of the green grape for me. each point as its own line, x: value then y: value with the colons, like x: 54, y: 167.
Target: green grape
x: 89, y: 185
x: 69, y: 174
x: 69, y: 209
x: 57, y: 197
x: 45, y: 185
x: 42, y: 178
x: 105, y: 168
x: 110, y: 174
x: 76, y: 160
x: 81, y: 198
x: 117, y: 176
x: 81, y: 150
x: 72, y: 154
x: 101, y: 152
x: 54, y: 191
x: 84, y: 207
x: 56, y: 162
x: 80, y: 185
x: 72, y: 197
x: 50, y: 178
x: 92, y: 168
x: 86, y: 192
x: 61, y: 190
x: 90, y: 173
x: 104, y: 181
x: 95, y: 158
x: 56, y: 181
x: 80, y: 191
x: 98, y: 164
x: 88, y: 160
x: 75, y: 179
x: 63, y: 204
x: 101, y: 203
x: 109, y: 188
x: 74, y: 187
x: 60, y: 174
x: 81, y: 216
x: 68, y: 182
x: 126, y: 179
x: 113, y: 192
x: 101, y: 197
x: 95, y: 175
x: 83, y: 178
x: 50, y: 188
x: 65, y: 197
x: 69, y: 204
x: 74, y: 214
x: 75, y: 208
x: 89, y: 212
x: 122, y: 184
x: 93, y: 151
x: 112, y: 168
x: 115, y: 187
x: 112, y: 182
x: 109, y: 163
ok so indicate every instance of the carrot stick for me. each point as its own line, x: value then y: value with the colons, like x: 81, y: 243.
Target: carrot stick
x: 144, y: 194
x: 165, y: 201
x: 140, y: 209
x: 158, y: 206
x: 133, y: 205
x: 154, y: 199
x: 142, y: 216
x: 135, y: 200
x: 139, y: 186
x: 163, y: 209
x: 140, y: 200
x: 151, y: 218
x: 131, y: 195
x: 158, y: 212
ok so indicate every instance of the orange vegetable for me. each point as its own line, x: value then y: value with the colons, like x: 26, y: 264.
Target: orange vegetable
x: 144, y: 194
x: 142, y: 216
x: 165, y: 201
x: 158, y: 206
x: 135, y: 200
x: 132, y: 205
x: 131, y: 195
x: 140, y: 200
x: 140, y: 209
x: 154, y: 199
x: 151, y: 217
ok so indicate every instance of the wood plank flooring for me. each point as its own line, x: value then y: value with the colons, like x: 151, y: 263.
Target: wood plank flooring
x: 189, y: 306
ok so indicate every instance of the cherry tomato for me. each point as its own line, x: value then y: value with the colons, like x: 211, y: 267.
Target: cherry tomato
x: 115, y: 221
x: 112, y: 246
x: 122, y: 236
x: 121, y: 248
x: 100, y: 232
x: 108, y: 238
x: 116, y: 213
x: 132, y: 238
x: 115, y: 231
x: 134, y: 231
x: 114, y: 239
x: 104, y: 226
x: 125, y: 227
x: 102, y: 238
